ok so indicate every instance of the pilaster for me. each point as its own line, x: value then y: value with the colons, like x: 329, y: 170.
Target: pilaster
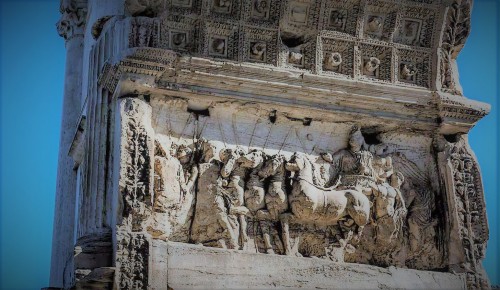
x: 70, y: 27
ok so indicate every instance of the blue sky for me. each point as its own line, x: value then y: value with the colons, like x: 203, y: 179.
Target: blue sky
x: 32, y: 73
x: 478, y: 65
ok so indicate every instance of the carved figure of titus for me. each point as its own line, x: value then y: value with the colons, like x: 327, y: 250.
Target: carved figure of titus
x: 352, y: 166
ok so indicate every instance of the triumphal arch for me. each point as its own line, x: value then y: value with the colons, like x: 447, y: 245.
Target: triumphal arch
x: 267, y: 144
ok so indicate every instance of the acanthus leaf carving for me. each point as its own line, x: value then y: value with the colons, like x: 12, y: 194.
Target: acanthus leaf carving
x: 136, y: 178
x: 136, y: 193
x: 132, y: 260
x: 456, y: 31
x: 72, y: 22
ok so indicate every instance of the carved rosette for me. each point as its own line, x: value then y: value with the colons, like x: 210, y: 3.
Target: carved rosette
x: 247, y: 32
x: 136, y: 187
x: 467, y: 211
x: 72, y: 22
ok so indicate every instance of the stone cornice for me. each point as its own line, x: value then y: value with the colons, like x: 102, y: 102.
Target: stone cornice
x: 165, y: 72
x: 459, y: 114
x: 73, y: 16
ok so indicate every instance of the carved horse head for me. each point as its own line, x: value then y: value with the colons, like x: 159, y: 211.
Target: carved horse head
x: 207, y: 149
x: 300, y: 164
x: 253, y: 159
x: 184, y: 153
x: 272, y: 166
x: 230, y: 157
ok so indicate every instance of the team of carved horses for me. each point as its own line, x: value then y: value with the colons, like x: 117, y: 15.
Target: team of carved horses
x: 284, y: 190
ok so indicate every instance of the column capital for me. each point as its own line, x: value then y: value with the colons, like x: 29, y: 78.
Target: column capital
x: 73, y: 15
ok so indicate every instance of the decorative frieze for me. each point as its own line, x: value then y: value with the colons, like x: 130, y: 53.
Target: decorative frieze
x: 468, y: 225
x: 211, y: 188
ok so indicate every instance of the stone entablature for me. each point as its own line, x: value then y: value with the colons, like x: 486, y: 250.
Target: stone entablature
x: 149, y: 50
x: 175, y: 75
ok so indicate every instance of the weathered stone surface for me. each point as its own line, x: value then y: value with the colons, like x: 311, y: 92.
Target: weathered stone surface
x: 99, y: 278
x: 94, y: 251
x: 183, y: 266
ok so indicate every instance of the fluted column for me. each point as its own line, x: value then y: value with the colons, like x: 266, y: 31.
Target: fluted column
x: 71, y: 28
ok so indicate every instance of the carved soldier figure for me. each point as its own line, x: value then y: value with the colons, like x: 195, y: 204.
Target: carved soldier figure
x: 255, y: 193
x: 211, y: 224
x: 383, y: 168
x: 234, y: 182
x: 390, y: 209
x: 171, y: 183
x: 276, y: 197
x: 419, y: 203
x: 185, y: 156
x: 185, y: 213
x: 173, y: 197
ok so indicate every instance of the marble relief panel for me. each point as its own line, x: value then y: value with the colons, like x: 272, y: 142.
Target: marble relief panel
x: 256, y: 179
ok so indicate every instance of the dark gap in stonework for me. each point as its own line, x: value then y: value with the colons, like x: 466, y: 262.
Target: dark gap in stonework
x: 452, y: 138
